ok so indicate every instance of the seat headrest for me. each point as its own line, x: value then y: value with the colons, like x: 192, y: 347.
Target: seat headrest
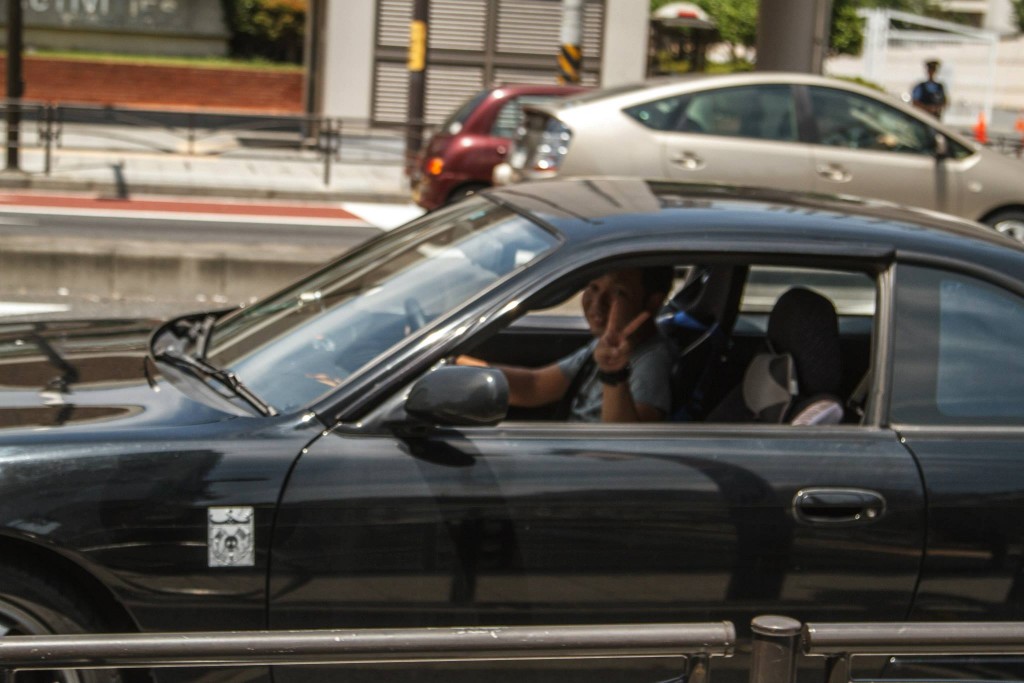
x: 804, y: 324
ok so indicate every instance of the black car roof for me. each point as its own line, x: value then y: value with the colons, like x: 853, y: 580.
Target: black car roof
x: 589, y: 210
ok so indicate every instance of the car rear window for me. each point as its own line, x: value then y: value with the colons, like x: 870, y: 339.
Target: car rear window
x: 957, y: 351
x: 511, y: 115
x: 453, y: 124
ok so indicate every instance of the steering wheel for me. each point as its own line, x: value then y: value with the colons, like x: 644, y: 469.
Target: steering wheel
x: 415, y: 316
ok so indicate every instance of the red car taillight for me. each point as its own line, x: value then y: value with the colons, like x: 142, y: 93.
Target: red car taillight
x: 434, y: 166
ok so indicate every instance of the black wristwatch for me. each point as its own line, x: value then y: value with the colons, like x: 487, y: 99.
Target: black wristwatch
x: 613, y: 379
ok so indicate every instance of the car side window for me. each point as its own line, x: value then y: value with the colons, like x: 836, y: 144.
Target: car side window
x: 846, y: 119
x: 763, y: 112
x: 659, y: 114
x: 957, y: 350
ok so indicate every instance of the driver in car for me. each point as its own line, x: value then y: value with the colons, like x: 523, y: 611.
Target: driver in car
x: 620, y: 376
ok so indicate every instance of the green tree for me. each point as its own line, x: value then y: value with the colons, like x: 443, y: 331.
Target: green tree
x: 847, y: 33
x: 737, y: 19
x: 271, y: 29
x: 1018, y: 9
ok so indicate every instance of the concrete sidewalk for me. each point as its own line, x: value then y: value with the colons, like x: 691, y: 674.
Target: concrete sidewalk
x: 122, y: 161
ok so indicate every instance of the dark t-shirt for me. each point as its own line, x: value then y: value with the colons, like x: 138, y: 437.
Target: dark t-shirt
x: 931, y: 93
x: 648, y: 382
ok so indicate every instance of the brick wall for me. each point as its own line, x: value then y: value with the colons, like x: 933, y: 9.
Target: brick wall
x: 150, y: 86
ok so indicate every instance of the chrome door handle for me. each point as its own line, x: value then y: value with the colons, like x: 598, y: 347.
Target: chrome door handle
x: 838, y: 506
x: 834, y: 172
x: 687, y: 160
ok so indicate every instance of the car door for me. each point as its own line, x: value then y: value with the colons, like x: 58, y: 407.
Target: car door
x: 541, y: 524
x: 870, y: 149
x: 745, y: 135
x: 553, y: 523
x: 956, y: 400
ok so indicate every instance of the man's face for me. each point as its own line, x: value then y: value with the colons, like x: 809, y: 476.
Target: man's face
x: 621, y: 291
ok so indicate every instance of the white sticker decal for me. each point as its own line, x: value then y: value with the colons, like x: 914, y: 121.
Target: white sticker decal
x: 231, y: 537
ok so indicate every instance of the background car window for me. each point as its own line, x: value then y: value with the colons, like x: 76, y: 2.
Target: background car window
x: 453, y: 124
x: 958, y: 358
x: 510, y: 117
x: 958, y: 151
x: 765, y: 112
x: 852, y: 293
x: 846, y: 119
x: 659, y: 114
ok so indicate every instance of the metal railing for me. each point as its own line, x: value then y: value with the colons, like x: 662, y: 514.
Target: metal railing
x: 63, y: 129
x: 59, y: 128
x: 1010, y: 145
x: 778, y: 642
x: 778, y: 646
x: 694, y: 643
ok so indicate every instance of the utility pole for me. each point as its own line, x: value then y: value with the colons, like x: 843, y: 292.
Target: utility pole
x: 570, y: 54
x: 792, y: 35
x: 15, y: 82
x: 417, y: 65
x: 312, y: 57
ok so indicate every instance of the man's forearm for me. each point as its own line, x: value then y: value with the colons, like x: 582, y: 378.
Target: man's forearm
x: 527, y: 387
x: 522, y: 386
x: 618, y: 405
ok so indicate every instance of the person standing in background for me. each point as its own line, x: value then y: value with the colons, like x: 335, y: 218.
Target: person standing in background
x: 930, y: 95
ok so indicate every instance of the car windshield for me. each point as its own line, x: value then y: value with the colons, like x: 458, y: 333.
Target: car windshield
x: 299, y: 343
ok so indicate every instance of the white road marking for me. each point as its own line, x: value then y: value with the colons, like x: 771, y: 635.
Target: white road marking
x: 183, y: 216
x: 21, y: 308
x: 384, y: 216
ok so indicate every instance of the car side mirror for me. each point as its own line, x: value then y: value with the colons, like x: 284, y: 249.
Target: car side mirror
x: 459, y: 396
x: 941, y: 146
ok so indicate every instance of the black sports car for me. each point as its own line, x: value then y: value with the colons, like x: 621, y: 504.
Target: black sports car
x: 317, y: 460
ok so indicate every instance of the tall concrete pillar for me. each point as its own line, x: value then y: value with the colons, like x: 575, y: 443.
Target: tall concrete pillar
x: 624, y: 43
x: 792, y: 35
x: 347, y: 70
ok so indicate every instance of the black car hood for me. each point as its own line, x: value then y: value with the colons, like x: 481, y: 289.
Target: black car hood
x: 85, y: 373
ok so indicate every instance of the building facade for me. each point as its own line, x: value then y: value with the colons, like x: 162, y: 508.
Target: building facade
x: 472, y: 44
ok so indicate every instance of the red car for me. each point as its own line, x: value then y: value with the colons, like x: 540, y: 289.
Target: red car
x: 461, y: 156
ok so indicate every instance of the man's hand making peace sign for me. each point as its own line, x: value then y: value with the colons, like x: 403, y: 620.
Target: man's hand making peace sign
x: 618, y: 309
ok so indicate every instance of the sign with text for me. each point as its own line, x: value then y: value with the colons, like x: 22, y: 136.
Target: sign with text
x: 169, y: 17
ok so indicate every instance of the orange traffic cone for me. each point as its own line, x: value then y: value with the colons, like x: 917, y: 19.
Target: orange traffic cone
x: 981, y: 129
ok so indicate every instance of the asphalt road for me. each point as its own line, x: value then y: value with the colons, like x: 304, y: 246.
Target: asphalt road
x: 321, y: 231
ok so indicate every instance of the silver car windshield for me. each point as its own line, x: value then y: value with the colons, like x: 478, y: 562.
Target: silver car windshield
x: 299, y: 344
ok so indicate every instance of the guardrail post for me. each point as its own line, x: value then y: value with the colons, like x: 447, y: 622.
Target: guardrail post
x: 48, y: 138
x: 327, y: 142
x: 191, y: 134
x: 59, y: 127
x: 697, y: 669
x: 775, y: 644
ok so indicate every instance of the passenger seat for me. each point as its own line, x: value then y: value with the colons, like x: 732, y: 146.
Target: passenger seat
x: 796, y: 380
